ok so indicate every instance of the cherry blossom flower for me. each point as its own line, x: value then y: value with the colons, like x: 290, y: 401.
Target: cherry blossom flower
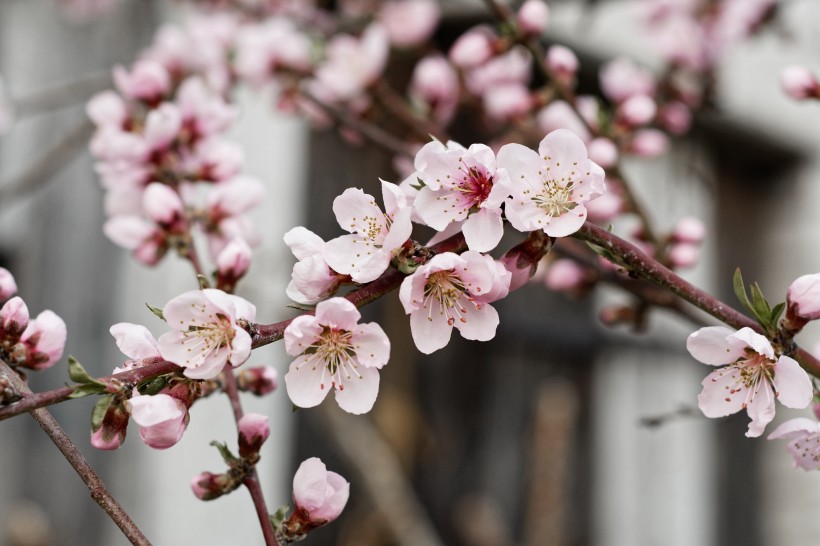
x: 312, y: 280
x: 232, y: 263
x: 453, y: 291
x: 550, y: 186
x: 532, y: 17
x: 319, y: 495
x: 13, y: 320
x: 751, y: 377
x: 334, y: 351
x: 148, y: 81
x: 462, y: 184
x: 264, y: 49
x: 804, y: 441
x: 473, y: 48
x: 44, y: 341
x: 621, y: 78
x: 206, y: 332
x: 799, y: 83
x: 409, y: 22
x: 162, y: 419
x: 258, y: 380
x: 802, y: 302
x: 374, y: 235
x: 563, y: 63
x: 434, y: 87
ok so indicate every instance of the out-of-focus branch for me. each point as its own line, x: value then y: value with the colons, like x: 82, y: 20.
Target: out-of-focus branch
x: 381, y: 474
x: 62, y: 95
x: 95, y: 485
x: 53, y: 160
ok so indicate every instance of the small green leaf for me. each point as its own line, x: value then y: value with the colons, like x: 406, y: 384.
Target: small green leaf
x: 99, y: 411
x: 78, y: 374
x: 776, y: 312
x: 279, y: 517
x: 740, y: 290
x: 156, y: 310
x: 763, y: 311
x: 154, y: 386
x: 87, y: 389
x: 229, y: 458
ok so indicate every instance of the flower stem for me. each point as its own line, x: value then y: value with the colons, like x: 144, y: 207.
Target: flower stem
x: 99, y: 492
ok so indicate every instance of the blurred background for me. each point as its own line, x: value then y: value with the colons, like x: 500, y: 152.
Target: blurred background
x: 558, y: 431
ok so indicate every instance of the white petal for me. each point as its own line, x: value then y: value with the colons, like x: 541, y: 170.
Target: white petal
x: 794, y: 388
x: 711, y: 346
x: 359, y: 392
x: 483, y: 230
x: 371, y: 344
x: 430, y: 330
x: 307, y: 382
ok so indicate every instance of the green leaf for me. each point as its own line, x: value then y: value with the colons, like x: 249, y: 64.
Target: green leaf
x: 279, y: 517
x: 87, y: 389
x: 776, y: 312
x: 99, y: 411
x: 78, y: 374
x: 229, y: 458
x: 762, y: 309
x: 203, y: 281
x: 154, y: 386
x: 156, y: 310
x: 740, y: 290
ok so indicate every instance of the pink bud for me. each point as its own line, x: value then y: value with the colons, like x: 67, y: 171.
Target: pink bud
x: 683, y: 255
x: 522, y: 260
x: 649, y: 143
x: 259, y: 380
x: 507, y: 101
x: 147, y: 81
x: 232, y: 263
x: 675, y: 117
x: 7, y: 285
x: 13, y: 320
x: 109, y: 434
x: 532, y: 17
x: 803, y: 297
x: 162, y: 204
x: 565, y: 275
x: 162, y: 419
x: 606, y: 207
x: 253, y: 431
x: 799, y: 83
x: 603, y: 151
x: 473, y: 48
x: 107, y: 109
x: 209, y: 486
x: 44, y: 341
x: 689, y: 230
x: 637, y: 110
x: 320, y: 495
x: 162, y: 126
x: 410, y: 22
x: 562, y: 62
x: 621, y: 78
x: 435, y: 83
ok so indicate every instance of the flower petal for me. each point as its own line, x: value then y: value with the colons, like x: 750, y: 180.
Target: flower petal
x: 358, y: 393
x: 371, y: 344
x: 792, y: 383
x: 305, y: 381
x: 710, y: 345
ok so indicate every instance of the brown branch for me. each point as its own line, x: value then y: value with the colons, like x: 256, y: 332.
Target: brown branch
x: 647, y: 268
x: 95, y: 485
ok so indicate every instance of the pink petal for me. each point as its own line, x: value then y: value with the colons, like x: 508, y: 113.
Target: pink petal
x: 148, y: 411
x: 300, y: 334
x: 566, y: 224
x: 439, y: 208
x: 303, y: 242
x: 760, y: 409
x: 794, y: 428
x: 307, y: 381
x: 338, y: 313
x: 524, y: 215
x: 400, y: 230
x: 353, y: 209
x: 356, y: 256
x: 483, y: 230
x: 359, y: 392
x: 430, y: 329
x: 371, y: 344
x: 794, y: 388
x: 480, y: 322
x: 752, y: 339
x: 134, y: 340
x: 710, y: 345
x: 723, y: 392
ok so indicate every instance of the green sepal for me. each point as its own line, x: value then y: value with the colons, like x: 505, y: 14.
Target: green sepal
x: 229, y: 458
x: 420, y: 184
x: 154, y: 386
x: 87, y: 389
x: 759, y: 307
x: 78, y: 374
x: 156, y: 310
x: 203, y: 281
x: 777, y: 311
x: 99, y: 411
x: 279, y: 517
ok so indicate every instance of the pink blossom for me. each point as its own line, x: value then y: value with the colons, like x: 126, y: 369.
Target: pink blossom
x: 209, y: 486
x: 232, y: 263
x: 532, y: 17
x: 563, y: 63
x: 551, y: 186
x: 462, y: 185
x: 107, y: 109
x: 203, y: 111
x: 162, y: 419
x: 258, y: 380
x: 649, y: 143
x: 507, y: 101
x: 320, y: 495
x: 565, y: 275
x: 804, y: 441
x: 263, y: 49
x: 374, y: 235
x: 8, y: 287
x: 409, y: 22
x: 13, y: 320
x: 162, y: 205
x: 511, y: 68
x: 603, y: 151
x: 147, y: 81
x: 752, y: 376
x: 335, y: 352
x: 226, y: 206
x: 522, y: 260
x: 473, y: 48
x: 799, y: 83
x: 434, y: 86
x: 636, y: 110
x: 675, y: 117
x: 312, y: 280
x: 146, y: 241
x: 803, y: 297
x: 683, y: 255
x: 44, y: 340
x: 134, y: 341
x: 606, y: 207
x: 622, y: 78
x: 689, y: 230
x: 162, y: 126
x: 559, y: 115
x: 206, y: 332
x: 352, y: 64
x: 253, y: 431
x: 452, y: 291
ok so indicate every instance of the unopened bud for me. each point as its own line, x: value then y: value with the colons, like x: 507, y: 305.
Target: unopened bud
x: 13, y: 320
x: 162, y: 204
x: 799, y: 83
x: 522, y: 260
x: 689, y: 230
x: 473, y: 48
x: 532, y: 17
x: 232, y: 263
x: 209, y: 486
x: 109, y: 423
x: 7, y: 285
x: 253, y: 431
x: 637, y: 110
x: 563, y: 63
x: 259, y: 380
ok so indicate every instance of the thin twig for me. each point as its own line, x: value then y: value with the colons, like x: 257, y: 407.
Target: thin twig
x: 53, y: 160
x: 61, y: 95
x: 95, y: 485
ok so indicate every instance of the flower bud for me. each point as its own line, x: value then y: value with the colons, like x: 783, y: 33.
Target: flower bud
x: 162, y: 204
x: 7, y: 285
x: 689, y: 230
x: 563, y: 63
x: 232, y: 263
x: 799, y: 83
x: 802, y: 302
x: 319, y: 495
x: 259, y: 380
x: 409, y: 22
x: 603, y: 151
x: 109, y: 433
x: 532, y: 17
x: 209, y: 486
x: 147, y: 81
x: 683, y: 255
x: 472, y: 48
x: 675, y: 117
x: 162, y: 419
x: 649, y: 143
x: 253, y: 431
x: 522, y: 260
x: 565, y: 275
x: 13, y: 320
x: 43, y: 341
x: 637, y: 110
